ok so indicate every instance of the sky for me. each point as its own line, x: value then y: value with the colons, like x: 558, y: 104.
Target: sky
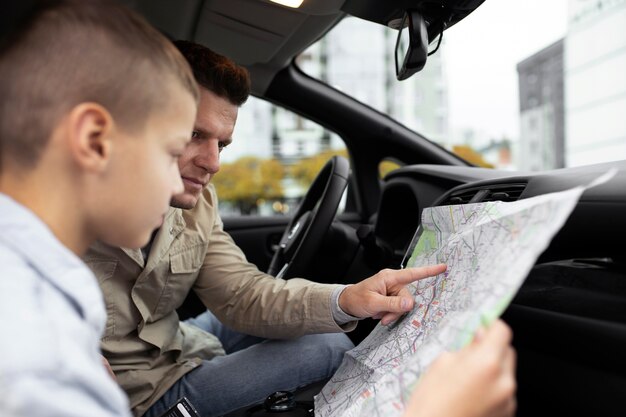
x: 482, y: 52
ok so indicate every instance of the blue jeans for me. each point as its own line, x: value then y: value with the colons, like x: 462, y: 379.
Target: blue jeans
x: 252, y: 369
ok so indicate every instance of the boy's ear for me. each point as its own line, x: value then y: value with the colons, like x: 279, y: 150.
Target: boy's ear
x: 90, y: 138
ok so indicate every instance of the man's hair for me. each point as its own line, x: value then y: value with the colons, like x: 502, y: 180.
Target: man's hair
x: 67, y: 52
x: 216, y: 72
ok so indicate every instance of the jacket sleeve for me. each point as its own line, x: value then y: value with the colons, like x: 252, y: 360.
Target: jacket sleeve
x: 251, y: 301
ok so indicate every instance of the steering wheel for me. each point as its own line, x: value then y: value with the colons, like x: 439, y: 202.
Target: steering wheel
x: 305, y: 231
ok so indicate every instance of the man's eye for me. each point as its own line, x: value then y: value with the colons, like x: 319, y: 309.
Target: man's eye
x: 195, y: 134
x: 221, y: 146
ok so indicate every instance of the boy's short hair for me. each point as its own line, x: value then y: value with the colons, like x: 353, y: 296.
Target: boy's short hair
x: 68, y: 52
x: 216, y: 73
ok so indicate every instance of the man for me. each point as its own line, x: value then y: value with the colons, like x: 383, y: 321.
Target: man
x: 222, y: 365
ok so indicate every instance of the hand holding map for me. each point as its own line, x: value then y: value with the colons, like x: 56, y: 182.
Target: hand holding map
x: 478, y: 380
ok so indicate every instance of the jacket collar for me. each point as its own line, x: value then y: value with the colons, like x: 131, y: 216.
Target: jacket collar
x: 172, y: 226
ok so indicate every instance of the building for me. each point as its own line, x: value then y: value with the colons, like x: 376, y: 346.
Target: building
x: 595, y: 81
x: 542, y: 115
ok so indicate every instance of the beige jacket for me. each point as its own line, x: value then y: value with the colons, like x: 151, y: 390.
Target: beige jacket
x: 146, y: 345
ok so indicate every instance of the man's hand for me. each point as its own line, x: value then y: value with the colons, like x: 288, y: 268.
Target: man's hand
x: 384, y: 296
x: 476, y: 381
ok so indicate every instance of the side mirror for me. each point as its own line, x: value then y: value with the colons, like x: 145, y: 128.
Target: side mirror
x: 411, y: 46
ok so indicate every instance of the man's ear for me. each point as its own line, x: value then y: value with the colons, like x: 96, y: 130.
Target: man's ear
x: 90, y: 139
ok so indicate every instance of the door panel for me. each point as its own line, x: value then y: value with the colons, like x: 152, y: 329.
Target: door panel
x: 257, y: 236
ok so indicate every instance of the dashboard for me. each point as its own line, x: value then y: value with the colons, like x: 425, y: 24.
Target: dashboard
x: 595, y: 229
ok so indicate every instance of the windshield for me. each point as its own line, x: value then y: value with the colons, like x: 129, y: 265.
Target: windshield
x: 531, y: 85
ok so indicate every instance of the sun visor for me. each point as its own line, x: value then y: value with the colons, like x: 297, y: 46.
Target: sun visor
x: 248, y: 32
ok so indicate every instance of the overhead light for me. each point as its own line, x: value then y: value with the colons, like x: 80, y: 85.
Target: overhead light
x: 289, y: 3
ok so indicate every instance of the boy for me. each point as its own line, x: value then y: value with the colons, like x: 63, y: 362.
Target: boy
x: 95, y: 108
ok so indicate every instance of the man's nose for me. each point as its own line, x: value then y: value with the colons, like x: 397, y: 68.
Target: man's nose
x: 209, y: 157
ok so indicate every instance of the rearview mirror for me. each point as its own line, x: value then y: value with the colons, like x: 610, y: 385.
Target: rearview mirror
x: 411, y: 46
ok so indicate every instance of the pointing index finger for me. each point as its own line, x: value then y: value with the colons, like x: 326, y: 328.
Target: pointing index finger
x: 406, y: 276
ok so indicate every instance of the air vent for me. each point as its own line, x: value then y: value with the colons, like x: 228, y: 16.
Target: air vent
x: 507, y: 192
x: 459, y: 197
x: 498, y: 192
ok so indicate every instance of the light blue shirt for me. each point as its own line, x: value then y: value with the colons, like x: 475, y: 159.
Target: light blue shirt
x: 51, y: 319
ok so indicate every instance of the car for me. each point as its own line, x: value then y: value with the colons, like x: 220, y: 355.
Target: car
x: 568, y: 318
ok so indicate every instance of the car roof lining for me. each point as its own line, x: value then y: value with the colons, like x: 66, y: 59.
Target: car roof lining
x: 264, y: 36
x: 267, y: 49
x: 260, y: 35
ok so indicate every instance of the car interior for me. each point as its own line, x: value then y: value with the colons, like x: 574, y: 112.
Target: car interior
x: 569, y: 317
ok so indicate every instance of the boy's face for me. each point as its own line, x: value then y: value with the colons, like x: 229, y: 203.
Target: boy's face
x: 212, y: 132
x: 144, y: 172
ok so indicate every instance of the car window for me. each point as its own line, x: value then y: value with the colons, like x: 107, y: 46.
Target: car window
x: 273, y: 159
x: 338, y: 59
x: 541, y: 90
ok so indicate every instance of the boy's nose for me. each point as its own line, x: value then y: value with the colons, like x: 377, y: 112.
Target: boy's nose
x: 177, y: 187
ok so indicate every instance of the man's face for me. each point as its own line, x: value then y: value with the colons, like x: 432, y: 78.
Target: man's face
x: 212, y: 132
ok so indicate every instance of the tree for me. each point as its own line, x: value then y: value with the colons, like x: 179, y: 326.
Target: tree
x: 305, y: 171
x: 470, y: 155
x: 247, y: 180
x: 386, y: 167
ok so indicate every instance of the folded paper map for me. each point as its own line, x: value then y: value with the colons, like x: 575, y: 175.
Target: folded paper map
x: 489, y: 248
